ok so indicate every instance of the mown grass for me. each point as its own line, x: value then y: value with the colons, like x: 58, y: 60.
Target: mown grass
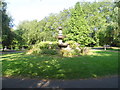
x: 109, y: 48
x: 113, y: 49
x: 100, y: 63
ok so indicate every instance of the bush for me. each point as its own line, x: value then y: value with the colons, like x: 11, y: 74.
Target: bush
x: 84, y: 50
x: 46, y: 45
x: 17, y: 48
x: 75, y: 52
x: 1, y: 46
x: 49, y: 51
x: 36, y: 51
x: 76, y: 49
x: 54, y: 45
x: 69, y: 53
x: 72, y: 44
x: 44, y: 48
x: 50, y: 48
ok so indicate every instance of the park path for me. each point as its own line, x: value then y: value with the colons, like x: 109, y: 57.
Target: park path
x: 108, y: 82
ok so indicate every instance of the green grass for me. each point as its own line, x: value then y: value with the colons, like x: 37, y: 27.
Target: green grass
x: 101, y: 63
x: 113, y: 49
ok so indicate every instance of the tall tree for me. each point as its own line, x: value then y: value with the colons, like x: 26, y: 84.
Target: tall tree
x: 0, y: 22
x: 110, y: 34
x: 7, y: 34
x: 78, y: 29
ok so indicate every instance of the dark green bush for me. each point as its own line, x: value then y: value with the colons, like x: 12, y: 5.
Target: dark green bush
x: 45, y: 48
x: 69, y: 53
x: 46, y: 45
x: 49, y: 51
x: 50, y: 48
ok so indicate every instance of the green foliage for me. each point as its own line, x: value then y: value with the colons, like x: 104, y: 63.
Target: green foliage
x: 73, y: 44
x: 7, y: 33
x: 43, y: 45
x: 85, y: 50
x: 89, y: 24
x: 109, y: 34
x: 78, y: 29
x: 44, y: 51
x: 46, y: 45
x: 45, y: 48
x: 17, y: 48
x: 75, y: 52
x: 1, y: 46
x: 76, y: 49
x: 49, y: 51
x: 69, y: 53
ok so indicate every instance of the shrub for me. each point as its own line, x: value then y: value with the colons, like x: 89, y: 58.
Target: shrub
x: 1, y: 47
x: 50, y: 48
x: 36, y: 51
x: 85, y: 50
x: 72, y: 44
x: 53, y: 45
x: 42, y: 45
x: 17, y: 48
x: 69, y: 53
x: 46, y: 45
x: 44, y: 48
x: 49, y: 51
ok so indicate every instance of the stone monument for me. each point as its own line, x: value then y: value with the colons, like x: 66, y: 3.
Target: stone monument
x: 60, y: 39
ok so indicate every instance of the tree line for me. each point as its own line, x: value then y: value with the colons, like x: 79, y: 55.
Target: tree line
x: 89, y: 24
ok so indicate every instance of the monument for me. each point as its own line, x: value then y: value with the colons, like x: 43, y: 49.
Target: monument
x: 60, y: 39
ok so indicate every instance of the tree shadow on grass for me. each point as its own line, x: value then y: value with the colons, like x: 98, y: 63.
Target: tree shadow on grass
x: 49, y: 67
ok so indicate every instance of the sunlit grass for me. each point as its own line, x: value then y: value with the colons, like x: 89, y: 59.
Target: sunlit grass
x: 98, y: 63
x: 114, y: 48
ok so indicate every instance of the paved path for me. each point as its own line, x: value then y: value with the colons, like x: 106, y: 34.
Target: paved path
x: 111, y: 82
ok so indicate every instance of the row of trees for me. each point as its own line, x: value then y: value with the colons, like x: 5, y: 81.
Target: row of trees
x: 87, y: 23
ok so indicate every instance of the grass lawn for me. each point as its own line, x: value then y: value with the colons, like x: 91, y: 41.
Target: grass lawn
x: 114, y: 49
x: 111, y: 48
x: 100, y: 63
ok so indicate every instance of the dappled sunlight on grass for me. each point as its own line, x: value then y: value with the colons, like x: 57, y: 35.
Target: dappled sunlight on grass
x: 114, y: 48
x: 100, y: 63
x: 102, y: 53
x: 99, y: 54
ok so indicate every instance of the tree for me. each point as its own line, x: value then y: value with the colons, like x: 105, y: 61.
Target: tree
x: 86, y: 23
x: 7, y: 34
x: 78, y: 29
x: 0, y: 22
x: 102, y: 20
x: 110, y: 34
